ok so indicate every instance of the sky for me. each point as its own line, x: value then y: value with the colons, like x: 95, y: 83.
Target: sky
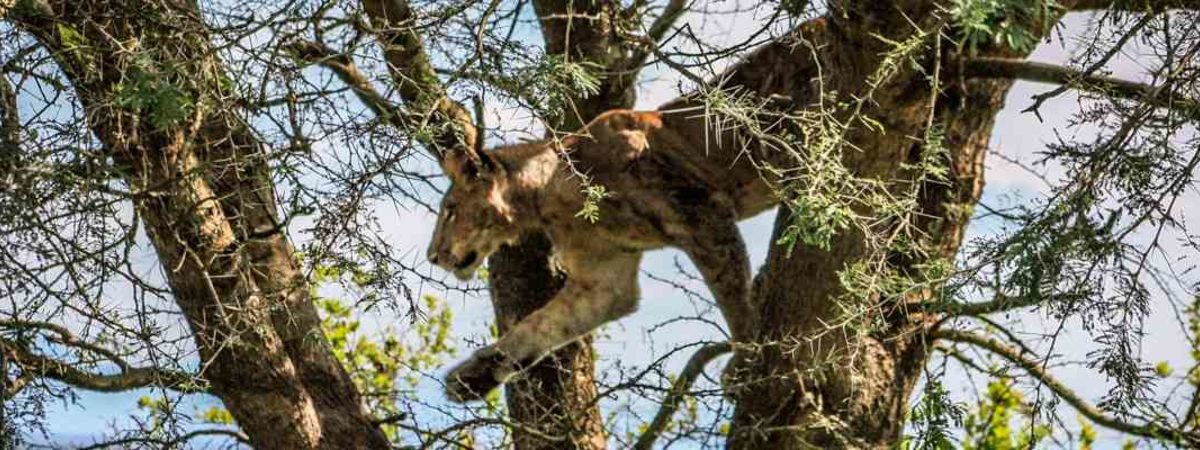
x: 638, y: 339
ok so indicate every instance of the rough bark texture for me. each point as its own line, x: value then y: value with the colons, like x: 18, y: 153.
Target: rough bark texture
x: 207, y: 201
x: 586, y: 31
x: 558, y: 396
x: 816, y: 385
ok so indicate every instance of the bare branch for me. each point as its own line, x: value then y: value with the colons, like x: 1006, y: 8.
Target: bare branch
x: 985, y: 67
x: 1096, y: 65
x: 415, y: 79
x: 169, y: 443
x: 1091, y: 412
x: 691, y: 371
x: 129, y: 378
x: 343, y: 66
x: 657, y: 32
x: 998, y: 303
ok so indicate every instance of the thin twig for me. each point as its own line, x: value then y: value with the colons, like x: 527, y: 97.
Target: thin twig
x: 1091, y: 412
x: 691, y: 371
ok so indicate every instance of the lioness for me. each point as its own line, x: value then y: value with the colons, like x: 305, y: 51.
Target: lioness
x: 658, y: 197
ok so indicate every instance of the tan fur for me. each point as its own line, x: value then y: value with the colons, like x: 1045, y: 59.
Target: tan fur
x: 659, y: 196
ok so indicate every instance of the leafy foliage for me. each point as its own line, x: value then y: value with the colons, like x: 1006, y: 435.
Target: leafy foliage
x: 149, y: 89
x: 387, y: 367
x: 934, y: 419
x: 593, y: 194
x: 1016, y: 24
x: 997, y: 423
x: 548, y: 84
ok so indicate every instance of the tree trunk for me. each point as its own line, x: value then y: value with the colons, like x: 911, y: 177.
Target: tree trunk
x: 203, y: 191
x: 811, y: 384
x: 558, y: 395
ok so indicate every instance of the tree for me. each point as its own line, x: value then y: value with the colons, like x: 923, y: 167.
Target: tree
x: 154, y: 95
x: 215, y: 133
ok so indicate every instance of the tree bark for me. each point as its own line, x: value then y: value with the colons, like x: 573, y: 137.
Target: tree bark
x: 558, y: 395
x: 204, y: 193
x: 810, y: 384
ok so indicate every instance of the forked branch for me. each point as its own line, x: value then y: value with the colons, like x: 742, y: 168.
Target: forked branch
x: 34, y: 364
x: 679, y: 389
x: 428, y: 114
x: 656, y: 33
x: 394, y: 27
x: 128, y: 379
x: 343, y: 66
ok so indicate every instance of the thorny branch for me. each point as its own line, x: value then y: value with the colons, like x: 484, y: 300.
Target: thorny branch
x: 128, y: 378
x: 413, y: 76
x: 1036, y: 370
x: 691, y: 371
x: 984, y: 67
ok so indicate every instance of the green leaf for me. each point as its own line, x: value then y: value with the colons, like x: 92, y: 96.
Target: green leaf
x: 1163, y: 369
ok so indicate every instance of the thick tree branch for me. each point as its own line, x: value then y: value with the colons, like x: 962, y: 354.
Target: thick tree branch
x: 998, y: 303
x: 666, y: 19
x: 129, y: 378
x: 415, y: 79
x: 280, y: 381
x: 1135, y: 5
x: 1051, y: 73
x: 1037, y: 370
x: 589, y: 32
x: 10, y: 122
x: 558, y: 395
x: 691, y: 371
x: 24, y: 10
x: 343, y: 66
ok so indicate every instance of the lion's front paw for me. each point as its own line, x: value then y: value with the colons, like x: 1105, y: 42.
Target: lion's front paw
x: 474, y: 378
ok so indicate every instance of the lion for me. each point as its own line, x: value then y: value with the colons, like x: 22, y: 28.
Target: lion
x: 656, y: 196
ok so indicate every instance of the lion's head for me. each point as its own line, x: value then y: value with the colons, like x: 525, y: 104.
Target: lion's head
x: 477, y: 214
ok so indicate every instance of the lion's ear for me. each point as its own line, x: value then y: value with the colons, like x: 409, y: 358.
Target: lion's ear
x: 459, y: 166
x: 464, y: 165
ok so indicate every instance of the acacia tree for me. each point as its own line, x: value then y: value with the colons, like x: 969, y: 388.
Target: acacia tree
x: 211, y: 132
